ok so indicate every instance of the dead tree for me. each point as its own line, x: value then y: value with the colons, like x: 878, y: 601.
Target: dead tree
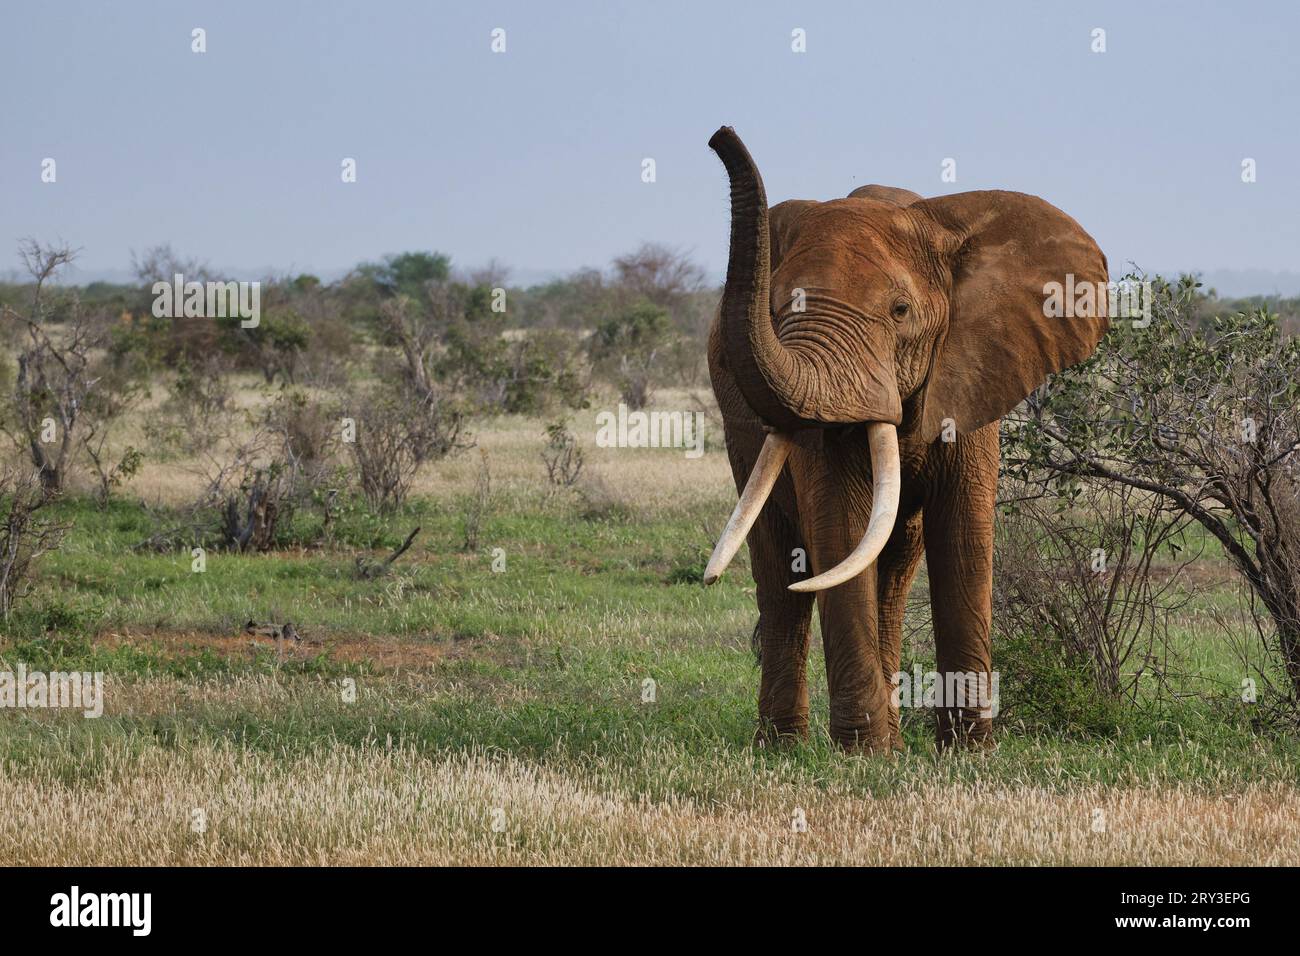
x: 25, y: 534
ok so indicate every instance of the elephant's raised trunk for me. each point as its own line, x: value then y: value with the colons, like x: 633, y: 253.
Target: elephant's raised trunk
x: 776, y: 384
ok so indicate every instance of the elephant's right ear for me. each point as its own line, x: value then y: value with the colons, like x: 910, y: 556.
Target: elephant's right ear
x: 782, y: 221
x: 1007, y: 253
x: 782, y: 224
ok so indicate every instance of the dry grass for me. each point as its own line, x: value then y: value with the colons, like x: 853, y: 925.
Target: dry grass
x: 649, y: 480
x: 394, y: 807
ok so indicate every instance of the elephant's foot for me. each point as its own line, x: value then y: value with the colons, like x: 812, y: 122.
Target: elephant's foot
x: 861, y: 735
x: 863, y: 744
x: 780, y: 732
x: 967, y: 730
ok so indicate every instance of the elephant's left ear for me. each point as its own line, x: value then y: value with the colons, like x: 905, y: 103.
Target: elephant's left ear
x: 1028, y: 299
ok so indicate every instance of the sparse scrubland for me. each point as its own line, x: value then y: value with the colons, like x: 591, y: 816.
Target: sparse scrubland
x: 541, y: 678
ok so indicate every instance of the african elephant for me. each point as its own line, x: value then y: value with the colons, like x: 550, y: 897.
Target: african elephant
x: 863, y: 353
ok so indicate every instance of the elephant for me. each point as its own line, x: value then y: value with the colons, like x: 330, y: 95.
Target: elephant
x: 862, y: 355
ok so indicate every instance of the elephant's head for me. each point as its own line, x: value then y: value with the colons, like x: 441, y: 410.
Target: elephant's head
x: 900, y: 313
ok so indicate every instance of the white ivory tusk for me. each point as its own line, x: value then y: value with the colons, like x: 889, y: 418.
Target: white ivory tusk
x: 771, y: 459
x: 886, y: 475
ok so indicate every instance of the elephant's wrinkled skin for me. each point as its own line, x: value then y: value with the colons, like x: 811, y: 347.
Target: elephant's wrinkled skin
x: 924, y: 314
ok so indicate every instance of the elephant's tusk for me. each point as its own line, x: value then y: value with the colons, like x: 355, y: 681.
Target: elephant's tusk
x: 885, y: 470
x: 759, y: 485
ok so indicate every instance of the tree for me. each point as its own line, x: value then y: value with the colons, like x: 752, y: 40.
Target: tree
x: 167, y: 339
x: 671, y: 280
x: 628, y: 348
x: 407, y: 273
x: 58, y: 375
x: 274, y: 345
x: 660, y: 275
x: 577, y: 301
x: 395, y: 436
x: 452, y: 341
x: 25, y: 534
x: 1207, y: 421
x: 162, y: 263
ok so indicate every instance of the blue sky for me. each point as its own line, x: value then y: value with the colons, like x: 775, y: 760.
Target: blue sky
x: 534, y: 156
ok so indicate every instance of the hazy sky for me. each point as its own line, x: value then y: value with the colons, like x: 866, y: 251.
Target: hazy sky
x: 534, y: 156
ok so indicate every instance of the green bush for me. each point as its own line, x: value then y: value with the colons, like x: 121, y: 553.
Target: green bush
x: 1044, y: 688
x: 78, y: 616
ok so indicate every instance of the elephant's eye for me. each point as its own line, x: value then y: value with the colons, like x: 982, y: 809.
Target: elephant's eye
x: 900, y: 310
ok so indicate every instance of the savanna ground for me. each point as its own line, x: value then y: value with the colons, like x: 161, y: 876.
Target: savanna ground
x: 499, y: 716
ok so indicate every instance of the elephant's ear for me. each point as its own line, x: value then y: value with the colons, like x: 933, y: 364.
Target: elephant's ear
x: 782, y: 221
x: 1007, y: 253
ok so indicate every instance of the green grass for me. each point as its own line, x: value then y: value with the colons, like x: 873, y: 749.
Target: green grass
x: 561, y: 573
x: 543, y: 662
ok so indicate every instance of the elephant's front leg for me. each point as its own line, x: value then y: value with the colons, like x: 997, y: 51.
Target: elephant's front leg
x: 784, y: 625
x: 858, y: 689
x: 895, y: 569
x: 835, y: 496
x: 959, y: 555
